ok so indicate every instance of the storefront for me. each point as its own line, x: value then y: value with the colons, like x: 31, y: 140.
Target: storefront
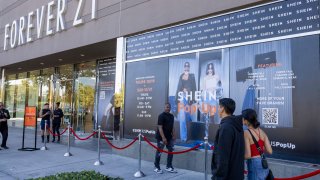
x: 93, y: 56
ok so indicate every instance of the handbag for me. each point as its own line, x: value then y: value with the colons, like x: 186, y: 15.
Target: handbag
x: 270, y: 175
x: 264, y: 161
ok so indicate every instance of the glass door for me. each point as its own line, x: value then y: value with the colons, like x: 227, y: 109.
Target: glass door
x: 84, y: 96
x: 64, y: 91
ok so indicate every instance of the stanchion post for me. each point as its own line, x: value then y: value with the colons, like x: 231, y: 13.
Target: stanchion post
x: 205, y: 157
x: 139, y: 173
x: 99, y: 162
x: 67, y: 154
x: 44, y: 148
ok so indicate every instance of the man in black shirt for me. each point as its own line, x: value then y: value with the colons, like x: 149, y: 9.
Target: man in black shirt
x: 228, y: 156
x: 57, y: 116
x: 165, y: 137
x: 4, y: 116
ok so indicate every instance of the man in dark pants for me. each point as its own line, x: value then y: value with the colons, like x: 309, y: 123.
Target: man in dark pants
x: 165, y: 137
x: 228, y: 156
x: 4, y: 116
x: 57, y: 116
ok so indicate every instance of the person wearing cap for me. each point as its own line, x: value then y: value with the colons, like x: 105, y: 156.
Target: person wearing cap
x: 229, y: 149
x: 4, y: 116
x: 56, y: 122
x: 45, y: 116
x: 187, y: 85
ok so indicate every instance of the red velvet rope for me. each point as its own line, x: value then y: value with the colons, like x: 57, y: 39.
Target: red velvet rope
x: 119, y: 148
x: 58, y: 134
x: 314, y: 173
x: 163, y: 151
x: 82, y: 139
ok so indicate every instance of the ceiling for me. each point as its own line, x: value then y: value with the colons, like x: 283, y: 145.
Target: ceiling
x: 73, y: 56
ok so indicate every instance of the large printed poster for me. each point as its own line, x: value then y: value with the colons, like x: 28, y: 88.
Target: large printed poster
x: 106, y: 85
x: 280, y: 80
x: 196, y: 83
x: 145, y: 96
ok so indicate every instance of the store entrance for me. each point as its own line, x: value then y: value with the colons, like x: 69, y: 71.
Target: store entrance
x: 75, y: 90
x: 84, y: 96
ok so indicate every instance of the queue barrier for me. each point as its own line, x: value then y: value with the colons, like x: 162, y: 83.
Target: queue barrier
x: 139, y: 173
x: 53, y: 134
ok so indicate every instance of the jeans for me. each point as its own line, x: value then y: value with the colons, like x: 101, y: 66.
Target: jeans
x: 158, y: 154
x: 255, y: 169
x: 183, y: 125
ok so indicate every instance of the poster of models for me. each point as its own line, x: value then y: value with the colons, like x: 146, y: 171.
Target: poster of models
x: 196, y: 83
x: 183, y: 85
x: 106, y: 91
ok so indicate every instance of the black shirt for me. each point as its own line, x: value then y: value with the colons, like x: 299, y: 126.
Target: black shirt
x: 46, y: 117
x: 4, y: 114
x: 59, y: 113
x: 167, y: 122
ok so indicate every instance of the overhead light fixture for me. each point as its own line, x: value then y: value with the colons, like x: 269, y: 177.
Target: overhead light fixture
x: 60, y: 59
x: 42, y: 63
x: 19, y: 68
x: 82, y: 55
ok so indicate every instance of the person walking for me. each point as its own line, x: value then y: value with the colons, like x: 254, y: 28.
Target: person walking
x: 57, y: 117
x: 4, y: 116
x: 228, y: 156
x: 252, y: 154
x: 45, y: 116
x: 165, y: 137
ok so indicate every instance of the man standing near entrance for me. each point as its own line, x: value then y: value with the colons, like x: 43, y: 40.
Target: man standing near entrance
x: 4, y: 116
x: 165, y: 137
x: 57, y: 116
x: 228, y: 156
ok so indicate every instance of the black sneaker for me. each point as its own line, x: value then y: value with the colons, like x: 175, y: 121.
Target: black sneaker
x: 53, y: 140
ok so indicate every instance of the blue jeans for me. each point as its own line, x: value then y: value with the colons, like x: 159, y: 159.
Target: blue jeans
x: 183, y: 125
x: 255, y: 169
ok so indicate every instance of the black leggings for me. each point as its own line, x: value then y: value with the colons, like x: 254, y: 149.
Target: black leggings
x: 55, y: 128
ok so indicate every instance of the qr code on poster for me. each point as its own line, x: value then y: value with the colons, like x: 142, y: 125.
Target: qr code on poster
x: 270, y: 116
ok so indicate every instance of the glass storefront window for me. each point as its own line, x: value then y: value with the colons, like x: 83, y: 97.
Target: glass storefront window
x: 64, y: 90
x: 33, y: 88
x: 10, y: 93
x: 84, y: 96
x: 20, y: 97
x: 46, y: 92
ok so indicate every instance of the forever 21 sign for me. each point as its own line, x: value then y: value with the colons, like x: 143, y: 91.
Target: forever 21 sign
x: 20, y: 31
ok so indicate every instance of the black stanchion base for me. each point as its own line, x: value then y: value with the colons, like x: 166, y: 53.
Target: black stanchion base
x: 28, y: 149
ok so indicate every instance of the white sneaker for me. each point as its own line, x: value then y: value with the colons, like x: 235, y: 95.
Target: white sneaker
x: 158, y: 170
x: 171, y: 170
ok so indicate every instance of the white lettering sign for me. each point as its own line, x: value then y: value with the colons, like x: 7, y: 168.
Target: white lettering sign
x: 20, y: 31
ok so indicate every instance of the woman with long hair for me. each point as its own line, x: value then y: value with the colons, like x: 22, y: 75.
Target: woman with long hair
x: 252, y: 154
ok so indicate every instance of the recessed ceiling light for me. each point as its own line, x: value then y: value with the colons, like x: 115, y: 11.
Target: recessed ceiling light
x: 60, y: 59
x: 19, y: 68
x: 81, y: 55
x: 42, y: 63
